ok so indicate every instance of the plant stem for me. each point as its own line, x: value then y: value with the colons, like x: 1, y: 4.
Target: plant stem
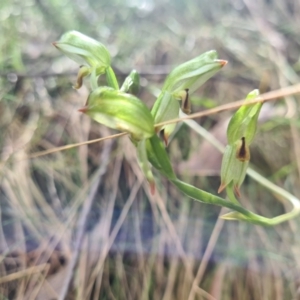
x: 111, y: 78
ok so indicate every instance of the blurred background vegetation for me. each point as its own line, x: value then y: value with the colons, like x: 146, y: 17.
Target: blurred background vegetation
x: 138, y: 246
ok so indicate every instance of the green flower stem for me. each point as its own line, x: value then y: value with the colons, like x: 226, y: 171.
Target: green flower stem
x: 260, y: 179
x: 158, y: 157
x: 94, y: 80
x: 111, y: 78
x: 206, y: 197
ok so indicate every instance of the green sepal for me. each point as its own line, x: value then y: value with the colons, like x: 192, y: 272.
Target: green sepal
x: 165, y: 108
x: 193, y: 73
x: 232, y: 169
x: 84, y: 50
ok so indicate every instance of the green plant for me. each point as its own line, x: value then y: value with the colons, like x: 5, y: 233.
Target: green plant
x: 119, y: 109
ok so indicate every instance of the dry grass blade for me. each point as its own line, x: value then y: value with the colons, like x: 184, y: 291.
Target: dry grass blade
x: 27, y: 272
x: 114, y: 233
x: 270, y: 96
x: 83, y: 218
x: 208, y: 251
x: 67, y: 147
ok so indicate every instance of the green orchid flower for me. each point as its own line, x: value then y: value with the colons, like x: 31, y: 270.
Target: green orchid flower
x: 178, y: 86
x: 240, y: 133
x: 93, y: 57
x: 119, y: 110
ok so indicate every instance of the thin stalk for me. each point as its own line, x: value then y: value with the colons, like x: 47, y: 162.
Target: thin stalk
x: 270, y: 96
x: 111, y: 78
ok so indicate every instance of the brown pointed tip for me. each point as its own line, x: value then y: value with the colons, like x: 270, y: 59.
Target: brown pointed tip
x: 237, y: 191
x: 83, y: 109
x: 223, y: 62
x: 221, y: 188
x: 166, y: 140
x: 54, y: 44
x: 152, y: 187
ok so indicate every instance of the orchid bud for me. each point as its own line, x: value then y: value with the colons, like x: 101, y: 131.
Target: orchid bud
x: 120, y: 111
x: 131, y: 83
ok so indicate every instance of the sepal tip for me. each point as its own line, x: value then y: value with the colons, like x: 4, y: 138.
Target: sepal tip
x: 221, y: 188
x: 223, y: 62
x: 83, y: 109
